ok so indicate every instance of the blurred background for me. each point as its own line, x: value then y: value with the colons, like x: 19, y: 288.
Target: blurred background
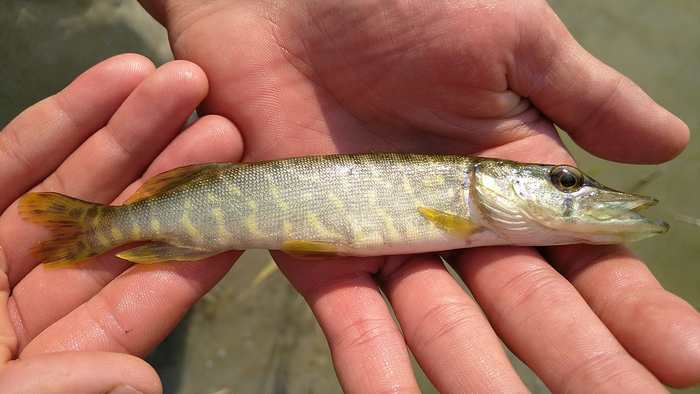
x: 253, y: 333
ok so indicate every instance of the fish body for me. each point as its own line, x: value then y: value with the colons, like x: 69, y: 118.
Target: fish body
x: 342, y: 205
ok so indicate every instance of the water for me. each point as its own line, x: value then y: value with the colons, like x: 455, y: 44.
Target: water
x: 649, y: 41
x: 263, y: 338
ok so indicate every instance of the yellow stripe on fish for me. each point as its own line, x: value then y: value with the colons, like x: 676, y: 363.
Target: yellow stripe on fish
x: 342, y: 205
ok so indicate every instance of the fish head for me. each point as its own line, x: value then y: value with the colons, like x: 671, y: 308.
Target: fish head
x: 533, y: 204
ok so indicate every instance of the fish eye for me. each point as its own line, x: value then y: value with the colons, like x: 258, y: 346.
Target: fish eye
x: 565, y: 178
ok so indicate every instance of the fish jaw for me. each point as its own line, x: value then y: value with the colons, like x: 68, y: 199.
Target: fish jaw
x: 612, y: 217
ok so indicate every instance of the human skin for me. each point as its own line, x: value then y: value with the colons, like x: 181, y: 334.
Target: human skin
x: 290, y: 78
x: 84, y: 329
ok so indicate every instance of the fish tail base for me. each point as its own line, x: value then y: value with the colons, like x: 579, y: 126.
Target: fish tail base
x: 65, y: 217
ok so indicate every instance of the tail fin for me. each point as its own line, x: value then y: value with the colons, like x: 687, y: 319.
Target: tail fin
x: 65, y: 217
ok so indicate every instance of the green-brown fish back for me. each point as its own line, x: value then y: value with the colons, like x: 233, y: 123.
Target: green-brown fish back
x: 342, y: 205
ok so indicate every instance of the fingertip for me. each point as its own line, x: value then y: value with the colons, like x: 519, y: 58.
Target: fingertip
x: 603, y: 111
x: 187, y: 74
x: 92, y: 98
x: 130, y: 63
x: 212, y: 138
x: 630, y: 127
x: 209, y: 139
x: 79, y: 372
x: 216, y: 135
x: 39, y: 139
x: 116, y: 76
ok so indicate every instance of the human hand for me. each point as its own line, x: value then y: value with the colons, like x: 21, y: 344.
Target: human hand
x: 486, y: 78
x: 77, y: 330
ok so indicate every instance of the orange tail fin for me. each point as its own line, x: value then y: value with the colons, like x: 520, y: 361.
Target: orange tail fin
x: 65, y: 217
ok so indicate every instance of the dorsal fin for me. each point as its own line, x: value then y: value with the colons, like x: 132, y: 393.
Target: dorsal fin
x: 169, y: 180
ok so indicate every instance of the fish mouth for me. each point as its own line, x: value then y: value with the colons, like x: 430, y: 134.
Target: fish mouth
x: 620, y: 206
x: 617, y: 215
x: 643, y: 204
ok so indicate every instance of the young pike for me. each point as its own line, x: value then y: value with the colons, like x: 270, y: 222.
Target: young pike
x: 342, y: 205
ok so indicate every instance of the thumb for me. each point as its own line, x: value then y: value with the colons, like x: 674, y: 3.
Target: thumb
x: 80, y: 372
x: 603, y: 111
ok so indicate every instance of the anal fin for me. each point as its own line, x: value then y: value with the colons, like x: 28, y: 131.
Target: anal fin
x: 156, y: 252
x: 453, y: 224
x: 314, y: 249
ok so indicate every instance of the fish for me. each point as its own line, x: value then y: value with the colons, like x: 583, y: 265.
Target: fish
x: 335, y: 206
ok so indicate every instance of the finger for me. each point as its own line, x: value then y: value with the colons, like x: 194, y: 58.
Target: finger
x: 368, y: 351
x: 546, y: 323
x: 657, y: 328
x: 445, y: 330
x: 208, y: 139
x: 117, y: 154
x: 35, y: 143
x: 79, y: 372
x: 8, y: 338
x: 602, y: 110
x: 140, y: 129
x: 136, y: 310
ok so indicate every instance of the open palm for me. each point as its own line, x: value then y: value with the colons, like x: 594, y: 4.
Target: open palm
x: 314, y: 77
x: 485, y: 78
x: 302, y: 77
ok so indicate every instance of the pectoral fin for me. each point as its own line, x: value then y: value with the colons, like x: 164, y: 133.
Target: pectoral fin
x: 455, y: 225
x: 314, y: 249
x: 155, y: 252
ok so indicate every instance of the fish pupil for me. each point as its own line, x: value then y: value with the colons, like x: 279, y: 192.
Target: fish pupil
x: 568, y: 180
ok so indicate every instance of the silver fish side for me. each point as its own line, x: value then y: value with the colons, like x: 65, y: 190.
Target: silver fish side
x: 344, y: 205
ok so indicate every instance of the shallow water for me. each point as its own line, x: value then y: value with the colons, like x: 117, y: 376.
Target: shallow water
x: 262, y: 338
x: 656, y: 44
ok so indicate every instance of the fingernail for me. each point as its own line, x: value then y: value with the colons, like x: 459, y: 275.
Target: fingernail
x: 125, y: 389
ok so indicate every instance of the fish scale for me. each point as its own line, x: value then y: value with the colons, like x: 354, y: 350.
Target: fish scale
x: 342, y: 205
